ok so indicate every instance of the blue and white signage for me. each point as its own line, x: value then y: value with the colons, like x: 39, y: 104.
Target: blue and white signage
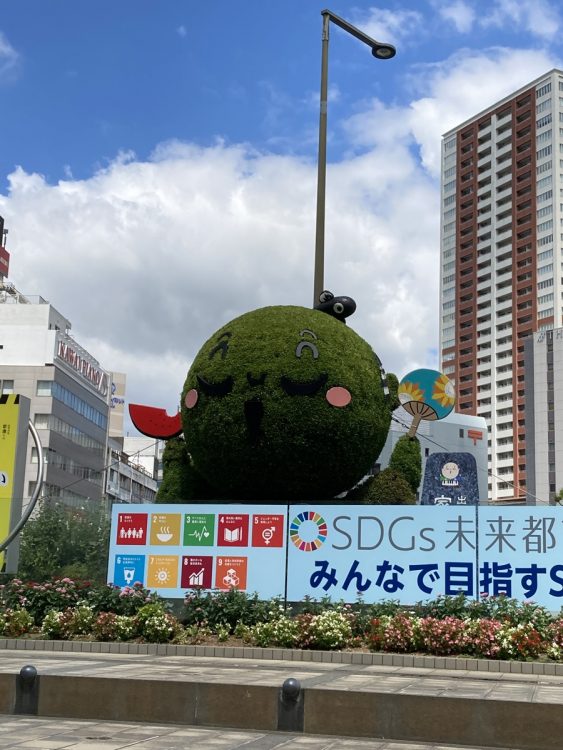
x: 407, y: 553
x: 381, y: 552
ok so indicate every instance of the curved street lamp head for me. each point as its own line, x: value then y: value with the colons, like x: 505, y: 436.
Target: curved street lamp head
x: 383, y: 51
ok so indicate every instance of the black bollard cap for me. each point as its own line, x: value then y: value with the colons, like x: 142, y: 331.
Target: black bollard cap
x: 291, y: 689
x: 28, y: 674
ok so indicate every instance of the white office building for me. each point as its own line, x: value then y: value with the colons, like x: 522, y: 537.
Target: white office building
x: 69, y: 393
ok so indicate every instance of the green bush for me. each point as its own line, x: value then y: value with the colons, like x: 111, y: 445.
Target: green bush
x: 226, y: 608
x: 406, y: 460
x: 121, y: 601
x: 64, y: 543
x: 390, y: 488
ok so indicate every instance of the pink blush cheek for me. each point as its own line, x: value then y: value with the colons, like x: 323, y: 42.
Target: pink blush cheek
x: 338, y: 396
x: 191, y: 398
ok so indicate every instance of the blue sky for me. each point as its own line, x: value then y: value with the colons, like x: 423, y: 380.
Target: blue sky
x: 158, y: 162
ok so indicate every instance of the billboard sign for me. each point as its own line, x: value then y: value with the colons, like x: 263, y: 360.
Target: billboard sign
x: 406, y: 553
x: 14, y: 416
x: 174, y: 548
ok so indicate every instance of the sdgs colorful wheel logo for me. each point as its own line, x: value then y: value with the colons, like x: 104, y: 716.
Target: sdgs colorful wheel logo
x: 308, y: 531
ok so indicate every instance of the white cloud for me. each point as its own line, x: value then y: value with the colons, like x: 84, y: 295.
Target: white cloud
x: 464, y: 85
x: 540, y: 18
x: 149, y: 258
x: 460, y: 13
x: 390, y: 26
x: 9, y: 59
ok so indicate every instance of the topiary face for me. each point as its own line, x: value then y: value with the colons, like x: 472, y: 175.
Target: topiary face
x: 284, y: 403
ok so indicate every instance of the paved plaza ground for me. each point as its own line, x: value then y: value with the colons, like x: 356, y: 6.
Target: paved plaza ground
x: 110, y: 701
x: 21, y: 733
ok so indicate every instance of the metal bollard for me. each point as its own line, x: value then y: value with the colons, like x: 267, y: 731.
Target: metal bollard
x: 27, y: 691
x: 290, y: 706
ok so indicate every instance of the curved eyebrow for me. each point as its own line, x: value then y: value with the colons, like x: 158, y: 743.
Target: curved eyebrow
x: 306, y: 330
x: 221, y: 346
x: 299, y: 388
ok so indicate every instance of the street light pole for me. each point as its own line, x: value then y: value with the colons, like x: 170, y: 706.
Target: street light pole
x: 383, y: 52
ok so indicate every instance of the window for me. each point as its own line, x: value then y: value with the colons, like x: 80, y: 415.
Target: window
x: 544, y: 182
x: 543, y: 90
x: 544, y: 196
x: 546, y: 313
x: 545, y: 120
x: 545, y: 225
x: 545, y: 284
x: 545, y: 211
x: 543, y: 137
x: 542, y: 106
x: 545, y: 298
x: 448, y: 145
x: 545, y: 167
x: 7, y: 386
x: 545, y: 151
x: 545, y: 255
x: 547, y: 240
x: 449, y: 186
x: 44, y: 387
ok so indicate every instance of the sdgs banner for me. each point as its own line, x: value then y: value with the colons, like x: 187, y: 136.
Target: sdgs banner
x: 406, y: 553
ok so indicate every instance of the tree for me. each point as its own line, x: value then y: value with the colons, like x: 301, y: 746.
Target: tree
x: 407, y: 461
x: 60, y: 541
x: 389, y: 487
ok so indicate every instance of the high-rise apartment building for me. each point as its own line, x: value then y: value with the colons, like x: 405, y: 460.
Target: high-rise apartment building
x: 501, y: 261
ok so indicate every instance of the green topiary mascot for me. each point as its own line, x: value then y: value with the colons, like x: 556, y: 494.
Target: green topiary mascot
x: 281, y: 404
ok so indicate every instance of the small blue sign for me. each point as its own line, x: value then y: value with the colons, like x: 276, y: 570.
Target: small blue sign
x: 450, y: 479
x: 128, y: 569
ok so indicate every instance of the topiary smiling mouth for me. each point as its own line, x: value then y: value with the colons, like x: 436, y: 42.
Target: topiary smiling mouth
x: 300, y: 388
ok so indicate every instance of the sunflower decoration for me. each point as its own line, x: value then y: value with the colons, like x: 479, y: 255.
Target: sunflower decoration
x: 409, y: 391
x: 444, y: 392
x: 414, y: 395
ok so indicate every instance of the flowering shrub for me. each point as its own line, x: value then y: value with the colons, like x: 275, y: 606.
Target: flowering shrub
x: 282, y: 632
x: 482, y: 638
x: 155, y: 625
x: 125, y: 627
x: 39, y: 598
x: 15, y: 622
x: 72, y: 621
x: 520, y: 642
x: 52, y: 626
x: 121, y: 601
x: 397, y: 633
x: 331, y: 629
x: 104, y: 627
x: 443, y: 637
x: 492, y: 627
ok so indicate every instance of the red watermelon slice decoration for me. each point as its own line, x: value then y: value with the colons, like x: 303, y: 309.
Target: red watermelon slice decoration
x: 155, y: 423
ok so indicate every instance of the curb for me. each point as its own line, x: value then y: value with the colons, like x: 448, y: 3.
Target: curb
x: 282, y: 654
